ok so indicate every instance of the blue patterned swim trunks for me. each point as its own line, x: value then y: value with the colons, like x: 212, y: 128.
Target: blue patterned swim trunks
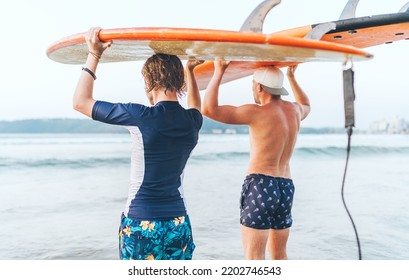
x: 266, y: 202
x: 156, y: 239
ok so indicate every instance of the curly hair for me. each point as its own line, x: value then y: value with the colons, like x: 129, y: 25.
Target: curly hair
x: 164, y: 71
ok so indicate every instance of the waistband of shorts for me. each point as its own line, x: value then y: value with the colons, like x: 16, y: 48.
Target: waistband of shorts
x: 258, y: 175
x: 151, y: 220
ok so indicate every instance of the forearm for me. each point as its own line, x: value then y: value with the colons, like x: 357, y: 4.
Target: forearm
x: 83, y: 100
x: 300, y: 97
x: 193, y: 93
x: 299, y: 94
x: 211, y: 98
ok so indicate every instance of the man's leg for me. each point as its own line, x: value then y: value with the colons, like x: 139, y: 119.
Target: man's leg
x: 277, y: 243
x: 254, y: 242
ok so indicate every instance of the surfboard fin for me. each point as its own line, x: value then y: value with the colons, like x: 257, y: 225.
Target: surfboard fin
x: 349, y: 10
x: 254, y: 22
x: 320, y: 30
x: 405, y: 8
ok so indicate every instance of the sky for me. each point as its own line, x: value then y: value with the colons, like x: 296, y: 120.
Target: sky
x: 33, y: 86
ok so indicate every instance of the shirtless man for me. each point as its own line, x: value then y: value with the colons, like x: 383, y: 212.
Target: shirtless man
x: 268, y: 190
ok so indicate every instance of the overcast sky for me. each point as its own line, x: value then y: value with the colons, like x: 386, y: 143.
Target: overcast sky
x: 33, y: 86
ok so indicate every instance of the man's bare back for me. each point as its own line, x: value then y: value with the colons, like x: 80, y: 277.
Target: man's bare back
x: 273, y: 134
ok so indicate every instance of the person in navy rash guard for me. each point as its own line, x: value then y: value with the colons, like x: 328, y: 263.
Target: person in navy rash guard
x: 155, y: 223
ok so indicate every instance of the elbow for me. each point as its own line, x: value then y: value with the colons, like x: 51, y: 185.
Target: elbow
x: 306, y: 111
x: 76, y: 105
x: 205, y: 108
x: 81, y: 106
x: 82, y: 101
x: 205, y: 111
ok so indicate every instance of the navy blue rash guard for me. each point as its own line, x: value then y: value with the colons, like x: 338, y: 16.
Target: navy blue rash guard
x: 162, y: 136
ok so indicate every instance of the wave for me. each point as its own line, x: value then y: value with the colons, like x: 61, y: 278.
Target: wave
x: 355, y: 150
x: 330, y: 151
x: 239, y: 156
x: 63, y: 163
x: 220, y: 156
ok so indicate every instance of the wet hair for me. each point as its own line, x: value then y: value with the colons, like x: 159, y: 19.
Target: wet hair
x: 164, y: 71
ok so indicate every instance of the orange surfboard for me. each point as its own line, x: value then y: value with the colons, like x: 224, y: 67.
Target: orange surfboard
x: 248, y: 50
x: 362, y: 32
x: 359, y: 32
x: 141, y: 42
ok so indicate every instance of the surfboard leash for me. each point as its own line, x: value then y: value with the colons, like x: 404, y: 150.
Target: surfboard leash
x: 349, y: 98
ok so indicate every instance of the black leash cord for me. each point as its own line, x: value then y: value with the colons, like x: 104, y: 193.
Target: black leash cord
x: 349, y: 131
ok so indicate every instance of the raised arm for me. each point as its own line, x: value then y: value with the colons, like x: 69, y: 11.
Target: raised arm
x: 300, y: 97
x: 83, y: 100
x: 223, y: 113
x: 210, y: 106
x: 193, y: 93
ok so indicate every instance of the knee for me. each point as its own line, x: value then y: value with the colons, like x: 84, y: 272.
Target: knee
x: 279, y: 255
x: 254, y: 256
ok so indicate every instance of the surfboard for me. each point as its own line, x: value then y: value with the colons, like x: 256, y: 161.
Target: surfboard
x: 362, y: 32
x: 139, y: 43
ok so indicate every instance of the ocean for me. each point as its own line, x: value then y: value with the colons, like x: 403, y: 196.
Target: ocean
x: 61, y: 196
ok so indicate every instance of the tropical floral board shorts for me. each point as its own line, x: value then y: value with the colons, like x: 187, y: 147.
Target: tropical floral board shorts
x: 156, y: 239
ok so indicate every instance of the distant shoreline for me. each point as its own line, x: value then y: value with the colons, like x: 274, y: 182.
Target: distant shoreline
x: 90, y: 126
